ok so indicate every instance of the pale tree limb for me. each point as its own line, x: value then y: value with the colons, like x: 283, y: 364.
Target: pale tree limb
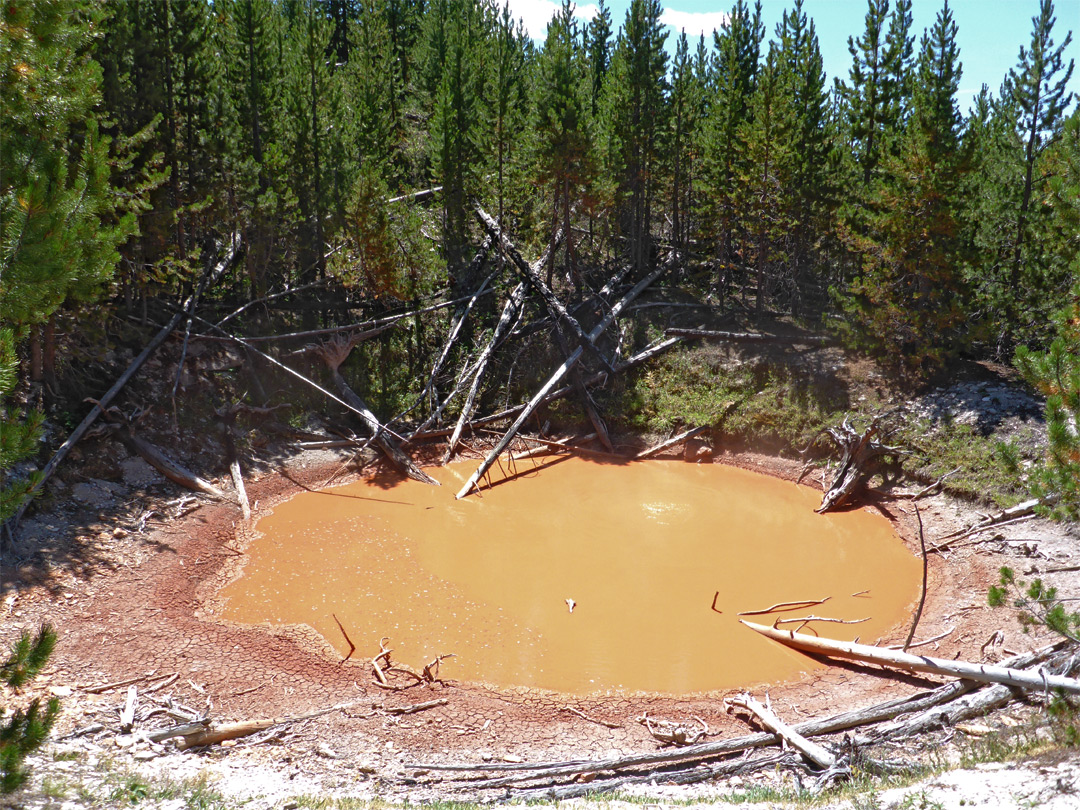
x: 750, y: 337
x: 531, y: 276
x: 664, y: 445
x: 333, y: 354
x: 984, y: 673
x: 817, y: 754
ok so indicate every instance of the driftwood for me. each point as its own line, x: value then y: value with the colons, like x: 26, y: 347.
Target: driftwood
x: 101, y: 404
x: 559, y: 373
x: 171, y: 469
x: 984, y: 673
x: 859, y: 460
x: 684, y: 765
x: 550, y: 446
x: 817, y: 754
x: 749, y: 337
x: 664, y: 445
x: 333, y: 353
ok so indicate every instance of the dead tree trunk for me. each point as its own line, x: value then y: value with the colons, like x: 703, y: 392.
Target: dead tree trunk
x: 334, y: 353
x: 559, y: 373
x: 862, y: 453
x: 531, y: 276
x: 985, y: 673
x: 510, y: 313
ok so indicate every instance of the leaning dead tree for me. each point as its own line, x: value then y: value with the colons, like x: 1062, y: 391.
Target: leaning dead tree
x: 559, y: 373
x: 333, y: 353
x: 861, y: 457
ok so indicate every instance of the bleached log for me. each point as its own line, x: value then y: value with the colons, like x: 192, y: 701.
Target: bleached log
x: 664, y: 445
x: 812, y: 751
x: 416, y: 196
x: 459, y: 320
x: 559, y: 373
x: 749, y: 337
x: 333, y: 354
x: 171, y: 469
x: 510, y: 313
x: 984, y: 673
x: 531, y: 276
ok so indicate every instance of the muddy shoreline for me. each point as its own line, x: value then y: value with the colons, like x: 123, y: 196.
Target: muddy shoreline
x: 143, y: 604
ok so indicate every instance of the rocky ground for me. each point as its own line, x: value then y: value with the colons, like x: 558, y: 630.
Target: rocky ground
x: 128, y: 566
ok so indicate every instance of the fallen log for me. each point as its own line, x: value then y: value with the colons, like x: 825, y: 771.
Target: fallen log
x: 549, y: 446
x: 106, y: 399
x: 559, y: 373
x: 817, y: 754
x: 690, y: 757
x: 459, y: 318
x: 749, y: 337
x: 333, y: 353
x: 228, y: 419
x: 171, y: 469
x: 664, y: 445
x: 984, y: 673
x: 511, y: 312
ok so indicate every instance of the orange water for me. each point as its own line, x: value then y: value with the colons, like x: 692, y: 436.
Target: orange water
x: 642, y: 549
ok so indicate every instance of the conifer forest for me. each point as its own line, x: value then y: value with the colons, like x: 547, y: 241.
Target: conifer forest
x: 297, y: 165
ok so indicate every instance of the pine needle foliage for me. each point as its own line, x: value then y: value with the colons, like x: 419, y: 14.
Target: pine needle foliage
x: 27, y: 728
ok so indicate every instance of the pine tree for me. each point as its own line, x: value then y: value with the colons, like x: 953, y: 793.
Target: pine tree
x: 638, y: 88
x: 26, y: 729
x: 1038, y: 89
x: 804, y: 122
x: 877, y: 97
x: 561, y: 127
x: 733, y: 82
x: 908, y: 298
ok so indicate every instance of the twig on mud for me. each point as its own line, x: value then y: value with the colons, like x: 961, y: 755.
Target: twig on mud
x: 922, y: 596
x: 105, y: 687
x: 431, y: 671
x: 715, y: 597
x: 385, y: 655
x: 923, y: 643
x: 169, y: 681
x: 584, y: 716
x: 797, y: 605
x: 678, y: 734
x: 937, y: 484
x: 352, y: 647
x: 415, y: 707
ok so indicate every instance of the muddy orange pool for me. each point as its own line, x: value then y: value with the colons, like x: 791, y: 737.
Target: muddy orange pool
x: 577, y: 576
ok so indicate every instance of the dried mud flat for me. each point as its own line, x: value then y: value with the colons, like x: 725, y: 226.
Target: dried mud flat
x: 131, y: 585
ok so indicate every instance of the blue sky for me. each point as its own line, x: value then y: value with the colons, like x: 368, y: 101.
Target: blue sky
x: 990, y: 32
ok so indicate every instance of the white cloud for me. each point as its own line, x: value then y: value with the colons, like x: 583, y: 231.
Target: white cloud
x: 695, y: 23
x: 536, y: 14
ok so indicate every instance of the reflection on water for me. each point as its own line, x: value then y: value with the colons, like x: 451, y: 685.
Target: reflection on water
x: 641, y: 548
